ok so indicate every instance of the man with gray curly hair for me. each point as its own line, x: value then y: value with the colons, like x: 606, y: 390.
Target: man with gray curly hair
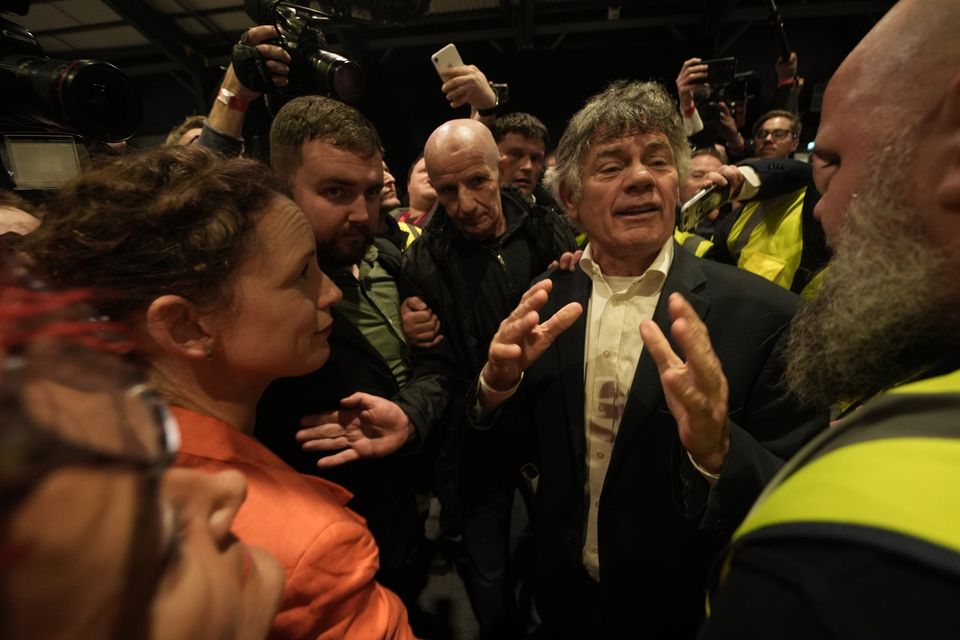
x: 633, y: 503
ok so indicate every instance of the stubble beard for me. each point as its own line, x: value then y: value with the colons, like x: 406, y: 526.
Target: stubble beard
x: 888, y: 308
x: 332, y: 256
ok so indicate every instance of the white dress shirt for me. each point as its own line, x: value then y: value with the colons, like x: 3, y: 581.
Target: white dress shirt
x: 611, y: 351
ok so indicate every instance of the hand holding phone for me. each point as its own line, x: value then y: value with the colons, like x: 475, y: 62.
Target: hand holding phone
x: 446, y: 58
x: 720, y: 71
x: 706, y: 200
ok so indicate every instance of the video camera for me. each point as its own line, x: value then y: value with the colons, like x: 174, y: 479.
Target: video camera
x: 52, y: 109
x: 314, y: 69
x: 92, y: 98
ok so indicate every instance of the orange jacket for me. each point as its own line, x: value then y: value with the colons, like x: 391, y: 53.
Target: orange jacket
x: 328, y: 554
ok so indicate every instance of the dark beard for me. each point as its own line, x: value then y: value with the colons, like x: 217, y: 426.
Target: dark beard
x: 332, y: 256
x: 888, y: 307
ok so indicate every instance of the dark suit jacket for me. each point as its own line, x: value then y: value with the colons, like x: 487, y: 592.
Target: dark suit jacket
x: 384, y: 489
x: 659, y: 523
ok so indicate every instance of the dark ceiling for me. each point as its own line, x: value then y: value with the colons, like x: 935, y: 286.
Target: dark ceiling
x: 554, y: 53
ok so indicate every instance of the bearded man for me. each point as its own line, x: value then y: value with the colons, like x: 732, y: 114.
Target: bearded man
x: 859, y: 535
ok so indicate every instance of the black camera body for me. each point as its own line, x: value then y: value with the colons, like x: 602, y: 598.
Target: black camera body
x: 314, y: 69
x: 88, y: 97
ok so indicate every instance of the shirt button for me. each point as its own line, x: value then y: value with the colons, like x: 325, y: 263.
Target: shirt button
x: 606, y: 354
x: 600, y: 457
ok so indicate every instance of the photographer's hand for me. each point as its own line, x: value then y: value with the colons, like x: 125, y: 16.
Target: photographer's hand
x: 274, y: 58
x: 727, y: 127
x: 229, y: 109
x: 467, y: 85
x: 786, y: 69
x: 727, y: 174
x: 692, y: 75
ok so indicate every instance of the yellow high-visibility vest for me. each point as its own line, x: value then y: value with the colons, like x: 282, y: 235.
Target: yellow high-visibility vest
x: 885, y: 477
x: 774, y: 244
x: 697, y: 245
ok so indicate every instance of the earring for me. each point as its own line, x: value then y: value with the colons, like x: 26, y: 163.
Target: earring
x: 209, y: 353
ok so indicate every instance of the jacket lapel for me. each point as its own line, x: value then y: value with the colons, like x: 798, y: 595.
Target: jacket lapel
x: 573, y: 287
x: 646, y: 393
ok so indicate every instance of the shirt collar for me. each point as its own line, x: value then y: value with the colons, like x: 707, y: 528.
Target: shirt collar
x: 660, y: 265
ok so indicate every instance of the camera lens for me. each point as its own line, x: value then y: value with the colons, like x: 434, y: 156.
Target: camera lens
x: 101, y: 100
x: 94, y: 99
x: 341, y: 77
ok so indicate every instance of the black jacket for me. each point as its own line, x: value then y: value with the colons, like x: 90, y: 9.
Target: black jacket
x: 471, y: 287
x: 384, y: 488
x: 659, y: 523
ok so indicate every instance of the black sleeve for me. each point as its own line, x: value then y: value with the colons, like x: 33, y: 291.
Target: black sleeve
x: 786, y: 97
x: 425, y: 396
x: 223, y: 144
x: 764, y: 433
x: 779, y: 177
x: 800, y: 589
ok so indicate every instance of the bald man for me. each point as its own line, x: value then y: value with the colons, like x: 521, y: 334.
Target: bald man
x: 477, y: 256
x: 859, y: 536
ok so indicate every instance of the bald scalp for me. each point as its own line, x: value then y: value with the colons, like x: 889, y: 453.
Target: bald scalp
x: 458, y: 136
x: 912, y: 53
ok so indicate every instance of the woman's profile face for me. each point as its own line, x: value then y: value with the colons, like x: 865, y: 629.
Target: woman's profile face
x: 279, y: 321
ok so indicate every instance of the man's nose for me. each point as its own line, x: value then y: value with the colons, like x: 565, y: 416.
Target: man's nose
x: 465, y: 199
x: 358, y: 210
x: 638, y: 177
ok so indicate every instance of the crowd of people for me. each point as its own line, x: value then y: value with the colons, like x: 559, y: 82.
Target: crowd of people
x: 231, y: 390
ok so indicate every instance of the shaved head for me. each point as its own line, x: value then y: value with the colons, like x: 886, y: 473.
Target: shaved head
x: 463, y: 163
x: 461, y: 136
x: 886, y: 163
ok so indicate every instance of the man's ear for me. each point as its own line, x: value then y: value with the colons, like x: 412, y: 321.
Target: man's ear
x: 947, y: 192
x: 569, y: 206
x: 502, y: 165
x: 175, y: 325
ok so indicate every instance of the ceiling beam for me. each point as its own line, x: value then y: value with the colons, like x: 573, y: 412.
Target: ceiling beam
x: 458, y: 26
x: 201, y: 13
x: 165, y: 36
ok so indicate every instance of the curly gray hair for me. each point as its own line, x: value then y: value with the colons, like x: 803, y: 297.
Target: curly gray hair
x: 623, y: 107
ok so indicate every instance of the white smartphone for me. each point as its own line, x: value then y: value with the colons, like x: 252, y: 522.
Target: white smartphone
x: 446, y: 58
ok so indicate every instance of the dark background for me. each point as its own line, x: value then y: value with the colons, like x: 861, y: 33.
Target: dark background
x: 553, y: 53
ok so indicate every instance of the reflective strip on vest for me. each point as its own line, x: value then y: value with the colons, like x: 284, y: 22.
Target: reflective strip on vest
x: 773, y: 243
x: 693, y: 243
x: 948, y: 383
x: 904, y: 485
x: 413, y: 232
x: 886, y: 476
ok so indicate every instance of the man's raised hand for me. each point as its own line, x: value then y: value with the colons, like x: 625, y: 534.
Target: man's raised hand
x: 696, y: 389
x: 522, y: 338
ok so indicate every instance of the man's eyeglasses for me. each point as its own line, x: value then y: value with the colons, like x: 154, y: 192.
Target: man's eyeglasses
x: 778, y: 134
